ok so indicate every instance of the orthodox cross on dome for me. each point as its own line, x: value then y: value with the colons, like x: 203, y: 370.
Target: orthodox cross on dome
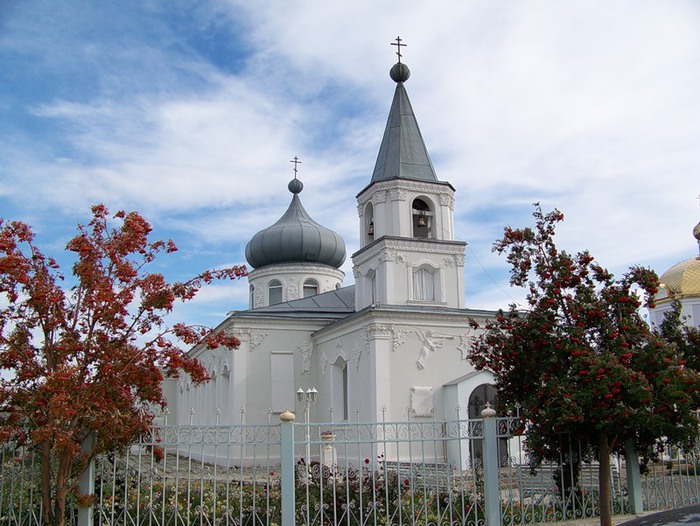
x: 398, y: 45
x: 296, y: 162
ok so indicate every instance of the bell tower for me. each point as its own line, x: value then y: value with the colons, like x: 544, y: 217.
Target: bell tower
x: 407, y: 255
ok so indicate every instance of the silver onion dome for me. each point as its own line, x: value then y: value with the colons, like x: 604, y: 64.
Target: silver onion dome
x: 296, y: 238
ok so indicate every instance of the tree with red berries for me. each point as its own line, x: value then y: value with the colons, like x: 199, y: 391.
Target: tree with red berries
x: 580, y: 362
x: 82, y: 364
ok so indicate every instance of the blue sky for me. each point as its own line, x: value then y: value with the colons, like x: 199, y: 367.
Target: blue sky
x: 189, y: 112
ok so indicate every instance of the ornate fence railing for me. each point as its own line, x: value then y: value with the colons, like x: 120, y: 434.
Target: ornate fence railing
x: 472, y: 472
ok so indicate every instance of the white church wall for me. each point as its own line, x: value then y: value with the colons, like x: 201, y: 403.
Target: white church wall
x: 386, y: 360
x: 274, y: 370
x: 292, y: 276
x: 690, y: 311
x: 456, y: 407
x: 391, y: 263
x: 341, y: 390
x: 170, y: 388
x: 392, y: 206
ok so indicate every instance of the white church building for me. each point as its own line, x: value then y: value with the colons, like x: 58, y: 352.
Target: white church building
x: 393, y: 346
x: 390, y: 347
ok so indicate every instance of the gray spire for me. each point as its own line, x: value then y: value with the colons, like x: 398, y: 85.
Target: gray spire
x: 403, y: 154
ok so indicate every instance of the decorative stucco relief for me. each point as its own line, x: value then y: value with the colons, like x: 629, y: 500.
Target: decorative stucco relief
x: 447, y: 263
x: 361, y: 345
x: 379, y: 197
x: 254, y: 338
x: 307, y: 350
x: 378, y: 330
x: 459, y: 259
x: 389, y: 255
x: 398, y: 194
x: 399, y: 337
x: 465, y: 344
x: 392, y: 255
x: 292, y: 290
x: 447, y: 199
x: 431, y: 342
x: 241, y: 334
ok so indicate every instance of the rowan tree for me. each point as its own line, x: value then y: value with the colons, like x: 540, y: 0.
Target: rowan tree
x: 81, y: 364
x: 686, y: 337
x: 580, y: 362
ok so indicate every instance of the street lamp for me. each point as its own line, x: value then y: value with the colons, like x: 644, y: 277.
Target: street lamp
x: 308, y: 398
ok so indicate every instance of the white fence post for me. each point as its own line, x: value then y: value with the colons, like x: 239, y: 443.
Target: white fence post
x: 492, y: 497
x: 287, y: 467
x: 634, y: 478
x: 86, y: 483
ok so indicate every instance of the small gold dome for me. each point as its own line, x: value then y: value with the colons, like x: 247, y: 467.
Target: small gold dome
x: 682, y: 280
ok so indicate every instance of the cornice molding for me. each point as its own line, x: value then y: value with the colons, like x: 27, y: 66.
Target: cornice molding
x: 378, y: 316
x: 437, y: 188
x: 295, y: 268
x: 405, y: 244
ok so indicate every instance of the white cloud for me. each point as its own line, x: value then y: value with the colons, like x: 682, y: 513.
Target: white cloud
x: 587, y: 106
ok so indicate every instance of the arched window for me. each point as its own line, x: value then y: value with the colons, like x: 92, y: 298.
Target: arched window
x: 481, y: 395
x: 339, y: 387
x: 274, y: 292
x: 369, y: 223
x: 252, y: 297
x: 422, y: 218
x: 310, y: 288
x: 423, y: 284
x: 372, y: 285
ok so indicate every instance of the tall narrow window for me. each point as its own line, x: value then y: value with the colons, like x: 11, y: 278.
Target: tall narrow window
x: 310, y: 288
x: 274, y: 291
x: 339, y: 387
x: 346, y: 412
x: 371, y: 287
x: 252, y: 297
x: 423, y: 285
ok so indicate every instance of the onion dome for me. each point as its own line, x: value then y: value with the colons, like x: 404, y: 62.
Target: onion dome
x: 682, y: 280
x: 296, y: 238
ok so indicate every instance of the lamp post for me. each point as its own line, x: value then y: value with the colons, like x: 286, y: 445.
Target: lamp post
x: 308, y: 398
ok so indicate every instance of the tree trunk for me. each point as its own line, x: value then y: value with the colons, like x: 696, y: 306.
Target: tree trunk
x: 604, y: 480
x: 54, y: 505
x: 61, y: 490
x: 46, y: 483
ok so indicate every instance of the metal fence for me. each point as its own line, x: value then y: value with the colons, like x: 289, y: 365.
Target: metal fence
x: 471, y: 472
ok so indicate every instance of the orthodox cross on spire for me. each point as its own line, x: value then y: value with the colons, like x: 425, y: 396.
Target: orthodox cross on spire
x: 398, y: 45
x: 296, y: 162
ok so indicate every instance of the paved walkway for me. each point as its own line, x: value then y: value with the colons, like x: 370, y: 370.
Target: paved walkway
x: 595, y: 521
